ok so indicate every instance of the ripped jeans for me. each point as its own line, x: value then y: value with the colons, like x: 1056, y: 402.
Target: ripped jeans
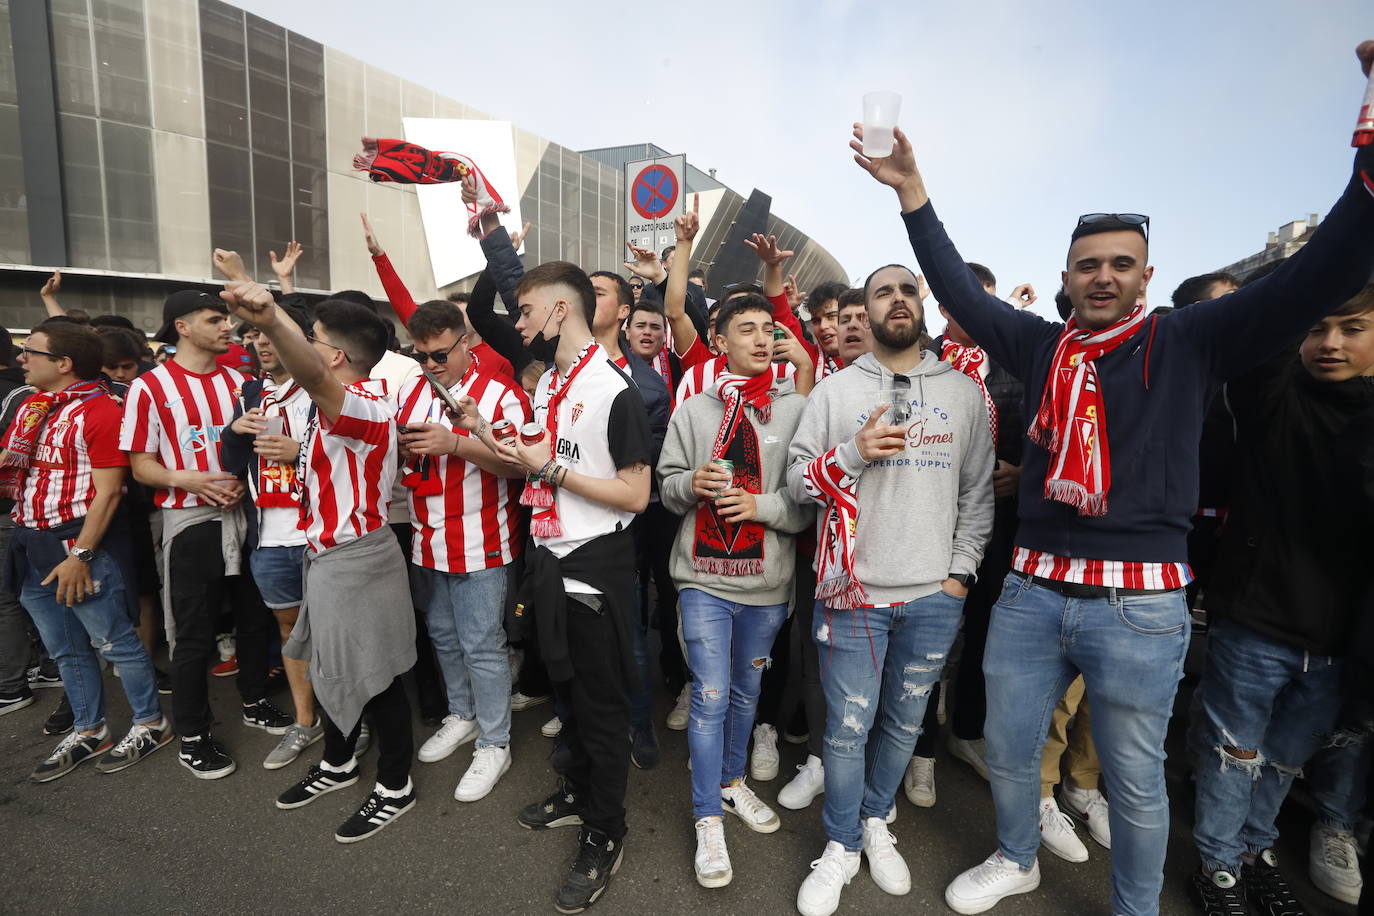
x: 1258, y: 694
x: 877, y: 665
x: 728, y: 647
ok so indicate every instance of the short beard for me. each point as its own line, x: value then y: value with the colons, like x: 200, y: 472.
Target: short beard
x: 898, y: 340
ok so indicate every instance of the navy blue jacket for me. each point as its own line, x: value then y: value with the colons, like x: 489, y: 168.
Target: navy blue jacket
x: 1156, y: 384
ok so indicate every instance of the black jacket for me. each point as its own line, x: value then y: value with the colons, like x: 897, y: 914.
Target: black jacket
x: 1294, y: 555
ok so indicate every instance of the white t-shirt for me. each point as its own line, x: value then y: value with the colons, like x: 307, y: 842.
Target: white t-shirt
x: 279, y: 526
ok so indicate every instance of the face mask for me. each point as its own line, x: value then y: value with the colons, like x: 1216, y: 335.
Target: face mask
x: 543, y: 348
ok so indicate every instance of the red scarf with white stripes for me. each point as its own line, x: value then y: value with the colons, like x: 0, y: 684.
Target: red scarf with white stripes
x: 735, y: 548
x: 538, y: 494
x: 22, y: 438
x: 277, y: 480
x: 826, y: 482
x: 970, y: 361
x: 1072, y: 421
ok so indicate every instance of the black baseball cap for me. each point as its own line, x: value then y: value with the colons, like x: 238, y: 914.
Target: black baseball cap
x: 185, y: 302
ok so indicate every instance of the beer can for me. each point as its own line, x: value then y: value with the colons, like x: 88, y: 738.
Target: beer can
x: 779, y: 334
x: 504, y: 431
x: 531, y: 433
x: 729, y: 467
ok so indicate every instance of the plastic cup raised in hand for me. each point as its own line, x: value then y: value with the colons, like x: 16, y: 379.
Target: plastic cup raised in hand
x: 880, y: 117
x: 276, y: 424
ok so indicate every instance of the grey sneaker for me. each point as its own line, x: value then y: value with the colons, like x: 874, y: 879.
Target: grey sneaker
x: 141, y: 741
x: 71, y: 752
x: 297, y: 738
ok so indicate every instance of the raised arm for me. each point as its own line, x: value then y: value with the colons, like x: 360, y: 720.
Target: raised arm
x: 686, y: 228
x: 49, y: 294
x: 1011, y: 336
x: 286, y: 266
x: 402, y: 303
x: 498, y: 333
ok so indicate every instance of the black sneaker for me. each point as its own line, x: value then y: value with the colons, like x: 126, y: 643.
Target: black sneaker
x: 205, y: 758
x: 71, y: 752
x: 141, y: 741
x: 644, y: 747
x: 61, y: 720
x: 17, y: 701
x: 375, y: 814
x: 267, y: 717
x: 164, y: 681
x: 598, y: 857
x: 316, y: 782
x: 1219, y: 894
x: 561, y: 809
x: 45, y: 675
x: 1265, y: 888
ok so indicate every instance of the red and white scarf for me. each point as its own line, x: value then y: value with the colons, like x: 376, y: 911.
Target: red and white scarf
x: 539, y: 495
x: 409, y: 163
x: 22, y: 439
x: 970, y: 361
x: 277, y: 480
x: 826, y: 482
x: 724, y: 548
x: 1072, y: 421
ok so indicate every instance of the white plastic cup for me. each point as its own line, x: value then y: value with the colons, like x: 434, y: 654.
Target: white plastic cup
x: 881, y: 108
x: 276, y: 425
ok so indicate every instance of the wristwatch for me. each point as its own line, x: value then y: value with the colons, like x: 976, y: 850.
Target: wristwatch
x: 965, y: 579
x: 84, y: 554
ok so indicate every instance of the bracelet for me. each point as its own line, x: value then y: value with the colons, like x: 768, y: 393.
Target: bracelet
x: 544, y: 472
x: 562, y: 476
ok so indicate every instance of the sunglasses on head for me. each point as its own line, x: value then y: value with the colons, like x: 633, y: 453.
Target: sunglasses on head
x: 347, y: 358
x: 1129, y: 219
x: 440, y: 357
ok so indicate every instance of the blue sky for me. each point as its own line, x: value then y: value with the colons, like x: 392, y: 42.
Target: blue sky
x: 1221, y: 121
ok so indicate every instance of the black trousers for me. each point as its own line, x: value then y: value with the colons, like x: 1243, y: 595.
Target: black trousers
x: 774, y: 683
x: 198, y: 590
x: 389, y: 714
x: 429, y: 681
x: 656, y: 529
x: 595, y: 757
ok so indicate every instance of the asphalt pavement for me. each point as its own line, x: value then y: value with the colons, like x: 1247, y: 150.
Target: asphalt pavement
x: 153, y: 839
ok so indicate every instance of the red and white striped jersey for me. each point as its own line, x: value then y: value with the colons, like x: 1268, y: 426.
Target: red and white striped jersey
x: 58, y: 487
x: 703, y: 375
x: 473, y: 522
x: 1111, y: 573
x: 350, y: 465
x: 178, y: 415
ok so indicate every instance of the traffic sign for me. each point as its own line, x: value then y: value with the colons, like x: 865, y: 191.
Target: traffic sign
x: 654, y: 195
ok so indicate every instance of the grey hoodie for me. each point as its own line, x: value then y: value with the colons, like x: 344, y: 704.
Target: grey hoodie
x: 925, y: 514
x: 691, y: 433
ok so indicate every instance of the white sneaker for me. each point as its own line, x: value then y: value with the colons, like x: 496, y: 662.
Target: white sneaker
x: 919, y: 782
x: 1332, y: 865
x: 712, y: 859
x: 888, y: 869
x: 1090, y: 807
x: 519, y: 702
x: 980, y: 888
x: 682, y: 709
x: 488, y: 765
x: 974, y: 753
x: 552, y: 728
x: 763, y: 762
x: 819, y: 894
x: 805, y: 786
x: 445, y: 741
x: 740, y: 800
x: 1056, y: 833
x: 891, y: 815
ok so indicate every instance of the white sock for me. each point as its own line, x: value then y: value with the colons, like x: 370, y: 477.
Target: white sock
x: 346, y: 768
x: 394, y: 793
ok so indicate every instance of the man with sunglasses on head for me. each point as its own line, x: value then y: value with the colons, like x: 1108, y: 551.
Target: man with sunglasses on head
x: 467, y: 530
x: 1108, y: 488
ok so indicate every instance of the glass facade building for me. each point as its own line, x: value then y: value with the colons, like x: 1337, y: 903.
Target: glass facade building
x: 137, y: 135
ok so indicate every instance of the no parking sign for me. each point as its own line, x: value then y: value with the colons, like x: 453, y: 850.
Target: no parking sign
x: 654, y: 196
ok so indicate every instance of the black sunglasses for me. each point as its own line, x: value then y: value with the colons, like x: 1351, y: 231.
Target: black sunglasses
x: 440, y: 357
x: 347, y: 358
x: 1129, y: 219
x: 634, y: 285
x: 731, y: 288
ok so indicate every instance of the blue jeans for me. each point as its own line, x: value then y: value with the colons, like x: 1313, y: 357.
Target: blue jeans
x: 279, y: 576
x: 464, y: 616
x: 877, y: 665
x: 1339, y: 779
x: 73, y: 634
x: 728, y: 647
x: 1130, y: 651
x: 1258, y: 694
